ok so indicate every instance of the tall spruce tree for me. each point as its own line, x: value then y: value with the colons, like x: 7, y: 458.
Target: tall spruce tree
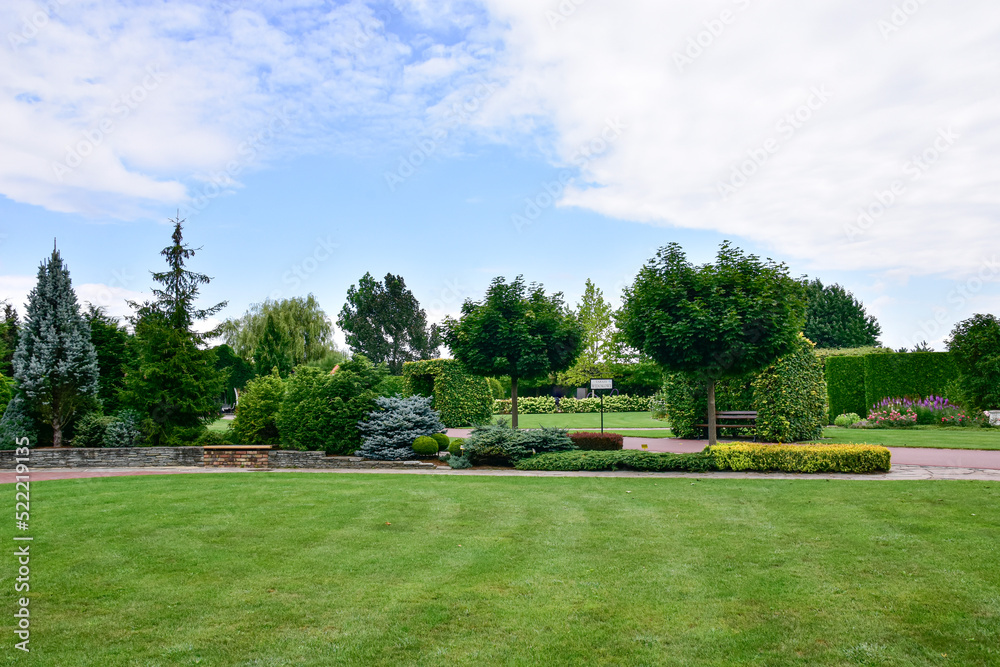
x: 176, y: 384
x: 8, y: 338
x: 55, y: 364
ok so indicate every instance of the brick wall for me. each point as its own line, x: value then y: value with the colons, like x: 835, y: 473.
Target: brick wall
x: 235, y: 456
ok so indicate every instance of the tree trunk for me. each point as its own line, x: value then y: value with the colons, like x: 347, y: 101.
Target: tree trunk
x: 711, y: 413
x: 56, y: 427
x: 513, y: 402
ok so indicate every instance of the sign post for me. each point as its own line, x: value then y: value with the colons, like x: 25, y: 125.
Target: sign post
x: 601, y: 383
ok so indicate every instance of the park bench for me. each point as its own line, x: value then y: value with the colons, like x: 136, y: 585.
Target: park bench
x: 735, y: 419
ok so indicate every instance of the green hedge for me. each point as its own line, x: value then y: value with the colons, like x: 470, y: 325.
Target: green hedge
x: 461, y: 398
x: 802, y: 458
x: 845, y: 386
x: 545, y: 405
x: 618, y: 460
x: 907, y: 375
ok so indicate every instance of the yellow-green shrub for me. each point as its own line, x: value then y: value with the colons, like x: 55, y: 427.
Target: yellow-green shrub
x: 852, y: 458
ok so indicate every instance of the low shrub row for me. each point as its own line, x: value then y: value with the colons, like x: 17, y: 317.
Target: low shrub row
x: 737, y: 457
x: 544, y: 405
x: 619, y: 460
x: 801, y: 458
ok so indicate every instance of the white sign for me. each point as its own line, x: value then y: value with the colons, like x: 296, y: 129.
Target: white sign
x: 600, y: 384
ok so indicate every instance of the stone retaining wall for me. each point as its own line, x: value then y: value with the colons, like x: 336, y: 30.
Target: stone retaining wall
x: 107, y: 457
x: 190, y: 457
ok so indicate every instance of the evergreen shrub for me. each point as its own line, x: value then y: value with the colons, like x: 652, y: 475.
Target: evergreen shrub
x: 424, y: 445
x: 257, y: 411
x: 390, y: 431
x: 499, y: 444
x: 91, y: 430
x: 619, y: 460
x: 442, y: 440
x: 455, y: 447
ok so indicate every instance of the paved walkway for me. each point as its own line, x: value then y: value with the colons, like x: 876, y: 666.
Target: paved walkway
x: 920, y: 456
x: 897, y: 473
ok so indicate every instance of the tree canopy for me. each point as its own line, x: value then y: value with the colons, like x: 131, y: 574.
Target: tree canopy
x: 517, y: 331
x: 713, y: 321
x: 301, y: 325
x: 384, y: 322
x: 115, y: 353
x: 975, y: 346
x: 835, y: 319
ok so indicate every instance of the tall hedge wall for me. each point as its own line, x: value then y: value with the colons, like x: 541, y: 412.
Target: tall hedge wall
x: 845, y: 385
x: 461, y: 398
x: 909, y: 374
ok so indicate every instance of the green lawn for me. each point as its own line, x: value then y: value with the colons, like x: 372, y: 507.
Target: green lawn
x: 589, y: 420
x: 221, y: 425
x: 322, y: 569
x: 954, y: 437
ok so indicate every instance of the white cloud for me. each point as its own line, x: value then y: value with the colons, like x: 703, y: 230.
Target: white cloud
x: 875, y: 102
x: 112, y: 108
x: 113, y: 299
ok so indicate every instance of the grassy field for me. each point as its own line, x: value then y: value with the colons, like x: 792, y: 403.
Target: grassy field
x: 944, y: 437
x: 589, y: 420
x: 283, y: 568
x: 220, y: 425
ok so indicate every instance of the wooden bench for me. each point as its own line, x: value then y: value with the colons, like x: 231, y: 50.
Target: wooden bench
x: 735, y: 419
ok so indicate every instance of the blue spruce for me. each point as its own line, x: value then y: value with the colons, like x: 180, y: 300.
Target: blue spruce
x: 55, y: 365
x: 390, y: 431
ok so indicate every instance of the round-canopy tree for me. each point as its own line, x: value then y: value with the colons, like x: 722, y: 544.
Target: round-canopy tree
x: 975, y: 347
x: 834, y: 318
x: 714, y: 321
x: 516, y: 331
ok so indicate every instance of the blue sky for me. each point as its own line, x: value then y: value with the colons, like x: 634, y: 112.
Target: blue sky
x: 308, y: 142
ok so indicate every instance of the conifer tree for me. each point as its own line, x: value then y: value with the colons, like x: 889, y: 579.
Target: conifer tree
x: 176, y: 385
x: 55, y: 364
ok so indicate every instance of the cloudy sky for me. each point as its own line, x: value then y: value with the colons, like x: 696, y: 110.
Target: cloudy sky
x: 307, y: 142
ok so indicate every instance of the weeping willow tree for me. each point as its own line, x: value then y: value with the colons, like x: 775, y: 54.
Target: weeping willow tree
x: 299, y: 328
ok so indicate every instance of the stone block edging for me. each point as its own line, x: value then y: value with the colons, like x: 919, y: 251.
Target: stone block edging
x: 247, y: 456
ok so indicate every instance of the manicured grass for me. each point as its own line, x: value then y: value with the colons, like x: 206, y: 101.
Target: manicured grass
x: 920, y: 436
x: 221, y: 425
x: 589, y: 420
x: 322, y: 569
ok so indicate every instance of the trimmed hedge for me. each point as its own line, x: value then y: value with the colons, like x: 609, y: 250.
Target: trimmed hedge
x: 802, y: 458
x: 907, y: 375
x: 620, y: 460
x: 461, y: 398
x: 591, y: 441
x: 845, y: 386
x: 442, y: 440
x: 455, y: 447
x: 424, y: 445
x: 545, y: 405
x: 790, y: 397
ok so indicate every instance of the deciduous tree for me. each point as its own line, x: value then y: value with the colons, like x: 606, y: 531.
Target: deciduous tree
x: 517, y: 331
x: 834, y: 318
x: 718, y: 320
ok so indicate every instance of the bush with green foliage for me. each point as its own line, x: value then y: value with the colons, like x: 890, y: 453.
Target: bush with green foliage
x: 597, y: 441
x: 461, y: 398
x: 687, y: 403
x: 496, y: 389
x: 425, y: 445
x: 455, y: 446
x: 321, y: 411
x: 619, y: 460
x: 975, y: 349
x: 257, y: 411
x: 801, y: 458
x: 499, y: 444
x: 847, y: 419
x: 18, y: 422
x: 124, y: 430
x: 214, y: 439
x: 443, y: 441
x: 6, y: 393
x: 390, y: 431
x: 908, y: 374
x: 392, y: 385
x: 459, y: 462
x: 91, y: 430
x: 790, y: 397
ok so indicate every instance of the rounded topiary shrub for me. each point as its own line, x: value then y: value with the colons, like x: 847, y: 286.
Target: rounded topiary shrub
x: 848, y: 419
x: 442, y: 440
x: 455, y: 448
x: 425, y: 445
